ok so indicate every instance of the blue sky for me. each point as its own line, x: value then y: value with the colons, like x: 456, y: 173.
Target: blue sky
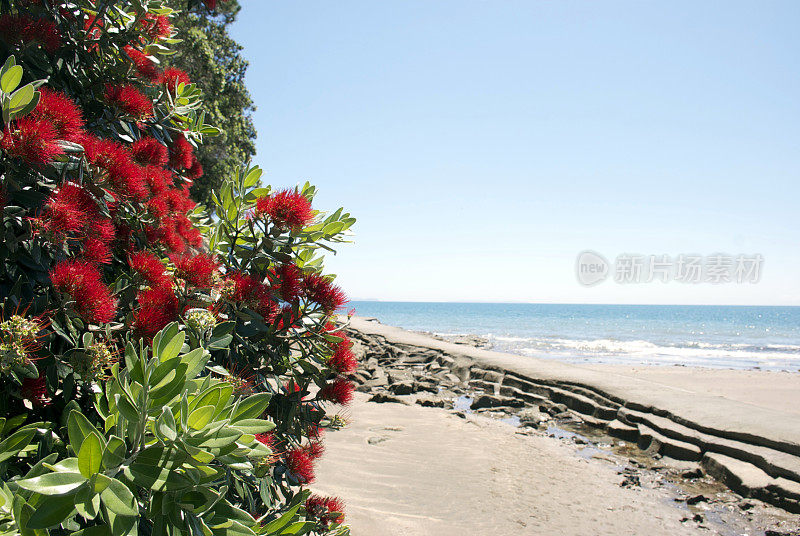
x: 483, y: 144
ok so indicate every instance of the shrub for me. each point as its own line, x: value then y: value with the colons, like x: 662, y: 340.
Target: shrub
x: 164, y: 369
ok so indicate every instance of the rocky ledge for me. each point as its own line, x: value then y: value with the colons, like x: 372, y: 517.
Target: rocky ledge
x: 409, y: 370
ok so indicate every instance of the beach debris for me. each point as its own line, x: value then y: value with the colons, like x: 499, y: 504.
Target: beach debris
x: 494, y: 401
x: 431, y: 402
x: 381, y: 397
x: 696, y: 499
x: 693, y: 473
x: 374, y: 440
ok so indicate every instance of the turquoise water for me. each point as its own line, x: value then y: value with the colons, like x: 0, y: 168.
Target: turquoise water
x: 708, y: 336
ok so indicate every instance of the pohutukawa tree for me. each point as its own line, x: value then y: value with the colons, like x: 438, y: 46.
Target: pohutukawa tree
x: 164, y: 368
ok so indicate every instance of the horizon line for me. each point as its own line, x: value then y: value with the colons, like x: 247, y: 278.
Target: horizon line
x: 362, y: 300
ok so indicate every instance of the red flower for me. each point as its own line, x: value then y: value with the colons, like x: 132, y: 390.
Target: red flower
x: 287, y: 279
x: 145, y: 66
x: 149, y: 267
x: 181, y: 153
x: 33, y: 140
x: 130, y: 100
x: 157, y: 307
x: 68, y: 210
x: 97, y: 247
x: 35, y: 390
x: 339, y: 391
x: 22, y: 30
x: 156, y: 26
x: 149, y: 152
x: 300, y: 464
x: 315, y: 450
x: 325, y: 509
x: 343, y: 361
x: 173, y: 76
x: 267, y: 439
x: 242, y: 287
x: 58, y: 110
x: 123, y: 175
x: 158, y: 180
x: 321, y: 291
x: 82, y: 281
x: 286, y: 208
x: 196, y: 171
x: 197, y: 271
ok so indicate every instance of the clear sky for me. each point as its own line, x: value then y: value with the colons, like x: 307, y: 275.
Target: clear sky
x: 483, y: 144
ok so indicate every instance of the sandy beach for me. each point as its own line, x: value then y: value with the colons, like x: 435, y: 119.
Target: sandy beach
x: 407, y: 469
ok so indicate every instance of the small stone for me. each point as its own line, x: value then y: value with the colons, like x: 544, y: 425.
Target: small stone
x: 385, y: 397
x: 402, y: 388
x: 696, y: 499
x: 698, y: 518
x: 430, y: 402
x: 694, y: 473
x: 374, y: 440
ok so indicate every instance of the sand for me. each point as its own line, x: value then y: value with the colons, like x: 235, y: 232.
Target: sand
x: 406, y: 469
x: 409, y: 470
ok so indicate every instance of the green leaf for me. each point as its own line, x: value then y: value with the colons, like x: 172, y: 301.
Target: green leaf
x: 21, y: 98
x: 11, y: 79
x: 15, y: 443
x: 301, y: 527
x: 119, y: 499
x: 253, y: 426
x: 251, y: 179
x: 114, y: 453
x: 87, y: 503
x: 78, y: 427
x: 173, y: 347
x: 200, y: 417
x: 51, y: 511
x: 251, y: 407
x: 90, y: 455
x: 53, y: 483
x: 166, y: 424
x: 277, y: 524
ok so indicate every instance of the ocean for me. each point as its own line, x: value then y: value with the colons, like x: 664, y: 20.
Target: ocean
x: 740, y: 337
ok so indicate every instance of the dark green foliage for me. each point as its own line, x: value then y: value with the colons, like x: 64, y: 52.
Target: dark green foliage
x: 214, y: 62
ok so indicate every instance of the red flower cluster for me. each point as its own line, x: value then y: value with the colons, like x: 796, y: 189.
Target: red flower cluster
x: 339, y: 391
x: 286, y: 208
x: 61, y: 113
x: 35, y: 390
x: 81, y: 280
x: 251, y: 292
x: 198, y: 270
x: 117, y: 167
x: 72, y: 212
x: 129, y: 100
x: 343, y: 361
x: 320, y: 290
x: 287, y: 279
x: 149, y: 267
x: 326, y: 510
x: 181, y: 153
x: 172, y: 77
x: 158, y: 307
x: 145, y: 66
x: 212, y: 4
x: 32, y: 140
x: 156, y: 26
x: 149, y: 152
x: 22, y: 30
x: 301, y: 465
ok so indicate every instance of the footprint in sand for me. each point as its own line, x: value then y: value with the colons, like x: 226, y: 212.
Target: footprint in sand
x: 374, y: 440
